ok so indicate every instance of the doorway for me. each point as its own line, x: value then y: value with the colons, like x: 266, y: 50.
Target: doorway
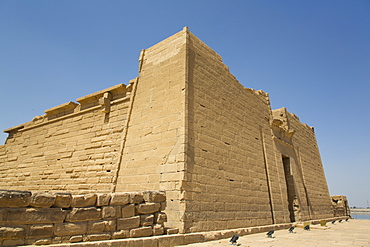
x: 291, y: 194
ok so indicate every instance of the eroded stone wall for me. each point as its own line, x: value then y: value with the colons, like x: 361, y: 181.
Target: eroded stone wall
x: 44, y: 218
x: 73, y: 147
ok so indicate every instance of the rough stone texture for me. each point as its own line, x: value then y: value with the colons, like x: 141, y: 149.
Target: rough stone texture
x: 11, y: 232
x: 67, y: 229
x: 147, y: 208
x: 111, y: 212
x: 128, y: 210
x: 144, y: 231
x: 9, y: 198
x: 37, y: 231
x: 63, y: 200
x: 84, y: 214
x: 158, y: 229
x: 35, y: 215
x: 160, y: 217
x: 103, y: 199
x: 146, y: 219
x: 42, y: 200
x: 79, y: 201
x: 121, y: 198
x: 128, y: 223
x: 224, y: 158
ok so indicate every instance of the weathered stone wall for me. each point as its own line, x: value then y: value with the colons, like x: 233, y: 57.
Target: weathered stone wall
x: 185, y: 126
x: 73, y: 147
x: 340, y: 206
x: 226, y: 178
x: 44, y: 218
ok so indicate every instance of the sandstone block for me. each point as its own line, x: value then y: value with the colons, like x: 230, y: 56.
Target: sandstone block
x: 110, y: 225
x: 36, y: 231
x: 111, y: 212
x: 42, y: 200
x: 67, y: 229
x: 154, y: 196
x: 95, y: 226
x: 160, y: 217
x: 158, y: 229
x: 148, y: 208
x: 76, y: 239
x: 97, y: 237
x: 38, y: 241
x: 13, y: 242
x: 146, y: 219
x: 63, y: 200
x: 103, y: 199
x: 35, y: 215
x: 121, y: 234
x: 9, y: 232
x: 128, y: 210
x: 171, y: 230
x: 84, y: 214
x: 144, y: 231
x: 136, y: 197
x: 80, y: 201
x: 14, y: 198
x: 128, y: 223
x: 120, y: 198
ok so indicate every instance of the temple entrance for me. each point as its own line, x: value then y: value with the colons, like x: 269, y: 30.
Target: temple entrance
x: 291, y: 194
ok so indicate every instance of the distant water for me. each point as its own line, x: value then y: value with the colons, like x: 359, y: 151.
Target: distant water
x: 360, y: 216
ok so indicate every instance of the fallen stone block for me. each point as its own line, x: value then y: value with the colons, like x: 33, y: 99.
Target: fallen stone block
x: 158, y: 229
x: 121, y: 234
x: 35, y: 215
x: 147, y: 208
x: 160, y: 217
x: 128, y: 223
x: 144, y: 231
x: 14, y: 198
x: 8, y: 232
x: 84, y: 214
x: 154, y: 196
x: 103, y: 199
x: 111, y: 212
x: 120, y: 198
x: 63, y: 200
x: 42, y: 200
x: 146, y: 219
x: 67, y: 229
x: 83, y: 201
x: 39, y: 231
x: 128, y: 210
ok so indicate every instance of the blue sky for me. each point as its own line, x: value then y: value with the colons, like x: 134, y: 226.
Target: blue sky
x: 312, y: 57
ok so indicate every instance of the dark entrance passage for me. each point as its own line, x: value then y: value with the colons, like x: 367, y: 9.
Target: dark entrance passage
x: 290, y: 187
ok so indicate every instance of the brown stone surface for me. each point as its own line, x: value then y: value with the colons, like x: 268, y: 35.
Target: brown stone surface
x: 79, y: 201
x: 42, y: 200
x: 12, y: 198
x: 147, y: 208
x: 39, y: 231
x: 128, y: 210
x: 63, y: 200
x: 121, y: 198
x: 68, y: 229
x: 144, y: 231
x: 160, y: 217
x: 128, y: 223
x: 9, y: 232
x: 35, y: 215
x: 84, y: 214
x: 102, y: 199
x: 146, y: 219
x: 111, y: 212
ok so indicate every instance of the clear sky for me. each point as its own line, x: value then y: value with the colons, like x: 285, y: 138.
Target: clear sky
x: 311, y: 56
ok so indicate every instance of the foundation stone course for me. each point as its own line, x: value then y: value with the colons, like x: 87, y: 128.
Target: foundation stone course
x: 90, y: 217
